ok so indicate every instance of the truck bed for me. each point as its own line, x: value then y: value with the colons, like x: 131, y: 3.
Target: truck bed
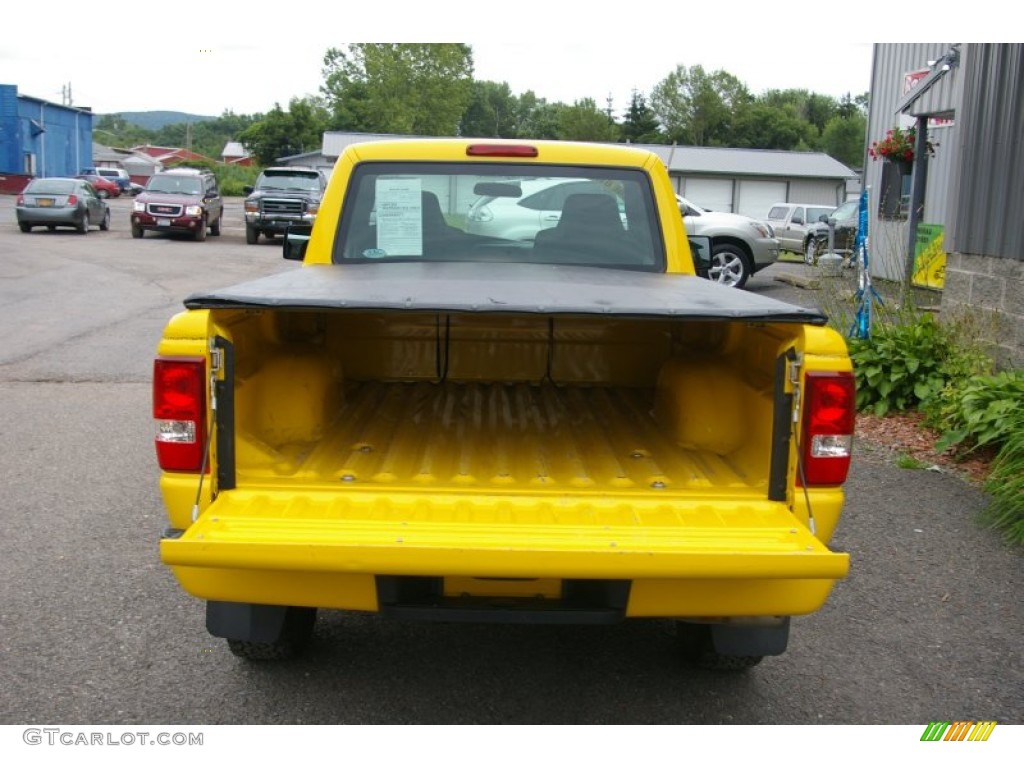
x: 493, y: 436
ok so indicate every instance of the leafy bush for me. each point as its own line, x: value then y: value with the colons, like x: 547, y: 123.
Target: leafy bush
x: 980, y: 410
x: 232, y: 179
x: 905, y: 365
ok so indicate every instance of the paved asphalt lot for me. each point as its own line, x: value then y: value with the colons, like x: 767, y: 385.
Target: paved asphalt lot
x: 94, y: 630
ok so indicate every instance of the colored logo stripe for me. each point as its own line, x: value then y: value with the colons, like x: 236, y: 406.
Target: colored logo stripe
x: 960, y: 730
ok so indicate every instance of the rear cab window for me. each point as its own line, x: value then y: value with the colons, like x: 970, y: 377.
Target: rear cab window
x: 501, y: 212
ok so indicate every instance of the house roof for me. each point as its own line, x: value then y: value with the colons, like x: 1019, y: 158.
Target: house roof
x: 234, y: 149
x: 169, y: 154
x: 689, y: 160
x: 750, y: 162
x: 103, y: 153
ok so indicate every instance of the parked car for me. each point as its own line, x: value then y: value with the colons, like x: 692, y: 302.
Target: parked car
x: 280, y: 198
x: 791, y: 222
x: 740, y: 246
x: 537, y: 205
x: 104, y: 187
x: 60, y: 202
x: 184, y: 200
x: 846, y: 220
x: 117, y: 175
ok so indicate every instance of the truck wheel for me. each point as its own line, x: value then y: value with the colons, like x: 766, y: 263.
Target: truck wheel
x: 729, y: 266
x: 200, y: 233
x: 699, y: 652
x: 252, y: 235
x: 295, y: 635
x: 811, y: 252
x: 137, y: 230
x: 215, y: 229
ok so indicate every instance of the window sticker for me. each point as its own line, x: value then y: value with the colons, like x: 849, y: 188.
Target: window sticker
x: 399, y: 216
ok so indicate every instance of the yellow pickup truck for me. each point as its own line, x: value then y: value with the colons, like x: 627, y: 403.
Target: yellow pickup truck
x: 497, y: 391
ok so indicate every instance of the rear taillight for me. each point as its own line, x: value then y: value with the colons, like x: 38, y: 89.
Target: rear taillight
x: 72, y: 201
x: 829, y: 415
x: 179, y: 409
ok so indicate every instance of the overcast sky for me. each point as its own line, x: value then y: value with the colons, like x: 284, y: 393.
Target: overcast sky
x: 245, y: 57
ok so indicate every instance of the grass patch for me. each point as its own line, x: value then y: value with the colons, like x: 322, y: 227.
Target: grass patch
x: 906, y: 461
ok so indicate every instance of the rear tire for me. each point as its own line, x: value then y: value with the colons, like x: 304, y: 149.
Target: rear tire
x: 295, y: 636
x: 215, y: 229
x: 83, y: 227
x: 252, y: 235
x: 698, y: 650
x: 24, y: 226
x: 105, y: 224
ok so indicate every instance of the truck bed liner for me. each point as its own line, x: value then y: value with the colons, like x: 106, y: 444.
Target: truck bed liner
x: 506, y: 436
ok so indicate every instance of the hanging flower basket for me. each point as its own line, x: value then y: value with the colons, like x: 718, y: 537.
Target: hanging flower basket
x: 898, y: 148
x: 905, y: 167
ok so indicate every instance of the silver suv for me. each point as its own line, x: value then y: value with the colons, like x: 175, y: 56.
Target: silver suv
x: 740, y: 246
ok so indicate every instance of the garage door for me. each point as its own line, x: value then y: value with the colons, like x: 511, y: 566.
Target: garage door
x: 712, y: 194
x: 757, y: 197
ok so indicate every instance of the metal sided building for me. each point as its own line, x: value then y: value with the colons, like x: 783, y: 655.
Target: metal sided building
x: 40, y: 138
x: 952, y: 221
x: 750, y: 181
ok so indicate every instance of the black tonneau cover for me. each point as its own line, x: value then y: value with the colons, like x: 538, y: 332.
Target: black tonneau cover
x: 502, y: 287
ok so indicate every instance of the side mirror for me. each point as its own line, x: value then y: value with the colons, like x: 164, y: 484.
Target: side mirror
x: 296, y: 239
x: 247, y: 189
x: 700, y: 250
x: 823, y: 218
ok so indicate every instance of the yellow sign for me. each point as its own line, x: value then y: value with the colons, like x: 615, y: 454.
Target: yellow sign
x: 929, y: 257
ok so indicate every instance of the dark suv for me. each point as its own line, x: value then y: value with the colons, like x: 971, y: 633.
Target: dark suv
x: 847, y: 218
x: 180, y: 200
x: 282, y: 197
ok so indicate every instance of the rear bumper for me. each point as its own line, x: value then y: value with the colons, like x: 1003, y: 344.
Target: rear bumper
x: 325, y: 550
x: 64, y: 216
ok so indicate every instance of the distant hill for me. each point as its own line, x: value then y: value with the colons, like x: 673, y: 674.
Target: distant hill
x: 157, y: 119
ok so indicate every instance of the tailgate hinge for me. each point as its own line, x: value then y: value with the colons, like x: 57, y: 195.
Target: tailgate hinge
x: 216, y: 371
x: 795, y: 360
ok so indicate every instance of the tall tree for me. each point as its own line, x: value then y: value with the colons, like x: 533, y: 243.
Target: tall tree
x: 282, y: 133
x: 770, y: 126
x: 844, y: 138
x: 640, y: 124
x: 698, y: 108
x: 584, y: 121
x: 492, y: 112
x: 536, y: 118
x: 408, y: 88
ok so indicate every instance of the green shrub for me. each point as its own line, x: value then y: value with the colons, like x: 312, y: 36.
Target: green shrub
x: 900, y: 366
x: 979, y: 410
x: 232, y: 179
x: 1006, y: 486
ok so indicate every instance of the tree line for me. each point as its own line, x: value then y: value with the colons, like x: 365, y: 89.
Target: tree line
x: 429, y: 89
